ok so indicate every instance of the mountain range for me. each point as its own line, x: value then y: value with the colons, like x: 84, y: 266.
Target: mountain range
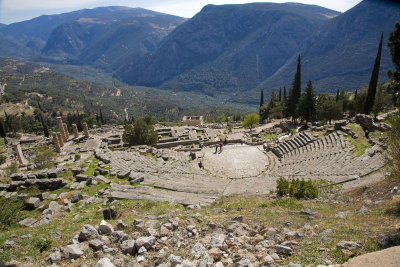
x: 228, y: 51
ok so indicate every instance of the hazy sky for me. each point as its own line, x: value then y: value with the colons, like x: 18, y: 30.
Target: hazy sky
x: 19, y: 10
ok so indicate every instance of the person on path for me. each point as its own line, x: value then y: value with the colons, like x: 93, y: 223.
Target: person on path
x: 220, y: 147
x: 216, y: 148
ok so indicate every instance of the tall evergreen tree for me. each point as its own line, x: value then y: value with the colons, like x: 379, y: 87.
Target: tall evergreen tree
x: 337, y: 95
x: 355, y: 94
x: 101, y: 118
x: 294, y: 92
x: 307, y: 105
x: 284, y: 95
x: 280, y: 94
x: 3, y: 131
x: 262, y: 98
x: 369, y: 102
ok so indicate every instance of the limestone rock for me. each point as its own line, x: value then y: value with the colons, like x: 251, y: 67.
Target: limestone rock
x: 128, y: 247
x: 174, y: 260
x: 104, y: 262
x: 72, y: 251
x: 55, y: 257
x: 110, y: 213
x: 105, y: 228
x: 32, y: 203
x: 280, y: 249
x: 145, y: 241
x: 96, y: 244
x: 88, y: 232
x: 198, y: 250
x: 28, y: 222
x: 217, y: 240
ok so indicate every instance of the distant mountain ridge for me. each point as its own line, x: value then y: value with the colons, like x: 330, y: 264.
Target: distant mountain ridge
x: 225, y: 51
x: 232, y: 45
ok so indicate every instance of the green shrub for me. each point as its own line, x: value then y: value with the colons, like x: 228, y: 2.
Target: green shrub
x: 77, y: 157
x: 11, y: 169
x: 282, y: 187
x: 44, y: 244
x: 43, y: 157
x: 10, y: 212
x: 2, y: 159
x: 296, y: 188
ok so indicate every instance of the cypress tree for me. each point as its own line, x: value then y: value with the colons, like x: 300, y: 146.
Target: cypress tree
x: 369, y: 102
x: 295, y: 92
x: 101, y: 118
x: 262, y: 98
x: 45, y: 128
x: 284, y: 95
x: 355, y: 95
x: 337, y: 95
x: 3, y: 131
x: 280, y: 94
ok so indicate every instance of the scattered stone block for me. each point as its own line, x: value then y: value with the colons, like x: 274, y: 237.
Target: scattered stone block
x: 105, y: 228
x: 104, y: 262
x: 88, y: 232
x: 81, y: 177
x: 110, y: 213
x: 32, y: 203
x: 72, y: 251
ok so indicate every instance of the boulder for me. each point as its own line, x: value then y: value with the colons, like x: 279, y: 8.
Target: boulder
x: 88, y: 232
x: 72, y: 251
x: 96, y: 244
x: 280, y: 249
x: 55, y: 257
x: 128, y: 247
x: 110, y: 213
x: 198, y: 250
x: 217, y: 240
x: 145, y: 241
x: 28, y: 222
x: 104, y: 262
x: 81, y: 177
x: 32, y: 203
x: 105, y: 228
x: 348, y: 245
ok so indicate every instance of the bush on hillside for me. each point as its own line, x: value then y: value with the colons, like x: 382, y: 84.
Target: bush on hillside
x: 296, y: 188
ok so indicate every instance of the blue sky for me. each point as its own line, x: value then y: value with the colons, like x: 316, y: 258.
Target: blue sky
x: 19, y: 10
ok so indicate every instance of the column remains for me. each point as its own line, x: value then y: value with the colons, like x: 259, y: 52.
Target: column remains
x: 85, y: 129
x: 75, y: 130
x: 22, y: 160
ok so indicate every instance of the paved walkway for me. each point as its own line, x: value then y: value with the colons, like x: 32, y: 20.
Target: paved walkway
x: 235, y: 161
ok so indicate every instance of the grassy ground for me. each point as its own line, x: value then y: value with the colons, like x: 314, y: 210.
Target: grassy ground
x: 361, y: 143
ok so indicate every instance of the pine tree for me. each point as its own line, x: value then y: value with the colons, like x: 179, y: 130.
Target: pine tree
x: 284, y: 95
x: 280, y: 94
x: 101, y: 118
x: 262, y: 98
x: 307, y: 105
x: 337, y: 95
x: 295, y: 92
x: 45, y: 128
x: 3, y: 131
x: 369, y: 103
